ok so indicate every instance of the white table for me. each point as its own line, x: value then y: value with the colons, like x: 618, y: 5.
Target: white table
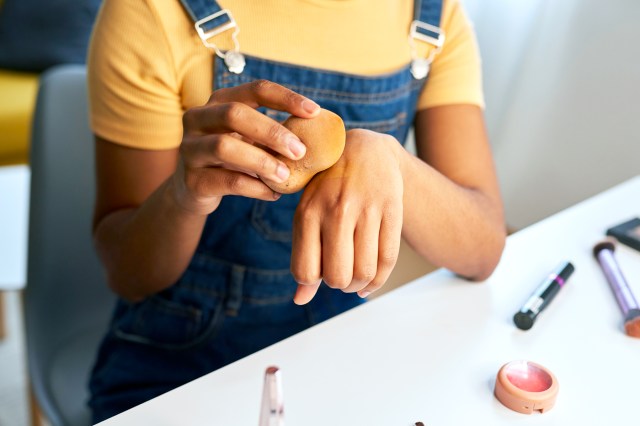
x: 14, y: 219
x: 430, y: 350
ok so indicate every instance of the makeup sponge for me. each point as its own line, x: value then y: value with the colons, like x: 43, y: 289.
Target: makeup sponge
x: 324, y: 136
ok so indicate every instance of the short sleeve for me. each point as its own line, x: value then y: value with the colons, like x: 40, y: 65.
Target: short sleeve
x: 134, y: 93
x: 456, y: 74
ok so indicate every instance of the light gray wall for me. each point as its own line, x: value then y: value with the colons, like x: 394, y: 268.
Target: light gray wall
x: 562, y: 85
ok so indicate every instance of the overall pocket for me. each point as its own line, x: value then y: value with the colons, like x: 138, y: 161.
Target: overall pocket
x: 166, y: 324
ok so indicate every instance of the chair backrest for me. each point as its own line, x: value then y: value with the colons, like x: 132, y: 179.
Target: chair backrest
x: 67, y: 302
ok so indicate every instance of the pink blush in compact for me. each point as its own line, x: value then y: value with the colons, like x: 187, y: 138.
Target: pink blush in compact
x: 528, y: 377
x: 525, y: 387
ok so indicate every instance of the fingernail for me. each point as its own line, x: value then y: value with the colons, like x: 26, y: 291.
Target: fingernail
x: 276, y: 195
x: 296, y: 147
x: 282, y: 172
x: 296, y: 298
x: 310, y: 106
x: 364, y: 294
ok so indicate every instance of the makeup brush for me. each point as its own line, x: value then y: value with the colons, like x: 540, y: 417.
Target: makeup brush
x: 603, y: 252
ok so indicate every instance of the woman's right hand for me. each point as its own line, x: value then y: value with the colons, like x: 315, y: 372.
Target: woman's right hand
x: 227, y: 144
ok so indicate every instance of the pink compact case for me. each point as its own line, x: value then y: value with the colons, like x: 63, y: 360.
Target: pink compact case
x: 525, y: 387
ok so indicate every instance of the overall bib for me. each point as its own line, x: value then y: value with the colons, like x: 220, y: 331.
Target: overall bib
x: 236, y: 296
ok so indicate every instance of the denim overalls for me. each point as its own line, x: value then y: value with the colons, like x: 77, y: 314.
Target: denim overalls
x: 236, y: 295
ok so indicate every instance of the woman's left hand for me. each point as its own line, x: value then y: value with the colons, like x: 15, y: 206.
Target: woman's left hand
x: 348, y: 225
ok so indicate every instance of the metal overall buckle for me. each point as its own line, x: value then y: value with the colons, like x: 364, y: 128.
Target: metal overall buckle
x: 420, y: 67
x: 233, y: 59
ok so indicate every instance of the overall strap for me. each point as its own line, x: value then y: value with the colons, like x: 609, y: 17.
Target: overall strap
x: 210, y: 20
x: 425, y: 28
x: 428, y: 12
x: 200, y: 10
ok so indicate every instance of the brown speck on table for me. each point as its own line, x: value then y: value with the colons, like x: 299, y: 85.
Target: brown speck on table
x: 419, y: 424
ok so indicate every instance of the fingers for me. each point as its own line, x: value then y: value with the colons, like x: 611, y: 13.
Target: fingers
x: 337, y: 248
x: 232, y: 110
x: 268, y: 94
x: 306, y: 255
x: 366, y: 237
x: 205, y: 183
x: 388, y: 248
x: 246, y: 121
x: 227, y: 143
x: 225, y: 150
x: 352, y: 260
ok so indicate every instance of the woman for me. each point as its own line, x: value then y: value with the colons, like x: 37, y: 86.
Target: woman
x: 209, y: 263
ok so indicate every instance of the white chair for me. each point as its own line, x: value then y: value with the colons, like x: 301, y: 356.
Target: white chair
x: 67, y: 302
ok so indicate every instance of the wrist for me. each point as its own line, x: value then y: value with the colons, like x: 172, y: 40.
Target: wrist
x: 399, y: 154
x: 404, y: 160
x: 178, y: 197
x: 399, y: 151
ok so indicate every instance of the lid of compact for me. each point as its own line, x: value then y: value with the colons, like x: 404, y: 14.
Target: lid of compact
x: 525, y: 387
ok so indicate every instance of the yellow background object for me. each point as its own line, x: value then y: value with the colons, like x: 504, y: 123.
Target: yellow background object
x: 17, y: 103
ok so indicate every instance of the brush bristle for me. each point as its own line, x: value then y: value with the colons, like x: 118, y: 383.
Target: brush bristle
x: 603, y: 245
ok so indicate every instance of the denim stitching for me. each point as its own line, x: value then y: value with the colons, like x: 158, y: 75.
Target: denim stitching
x: 381, y: 126
x: 203, y: 290
x: 249, y: 299
x: 228, y: 80
x: 337, y: 96
x: 208, y: 333
x: 362, y: 98
x: 204, y: 258
x: 268, y: 300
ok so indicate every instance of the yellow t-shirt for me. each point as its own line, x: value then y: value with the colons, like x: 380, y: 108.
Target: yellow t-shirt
x: 147, y: 65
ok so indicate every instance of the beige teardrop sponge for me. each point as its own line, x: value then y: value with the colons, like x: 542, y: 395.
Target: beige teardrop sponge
x: 324, y: 136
